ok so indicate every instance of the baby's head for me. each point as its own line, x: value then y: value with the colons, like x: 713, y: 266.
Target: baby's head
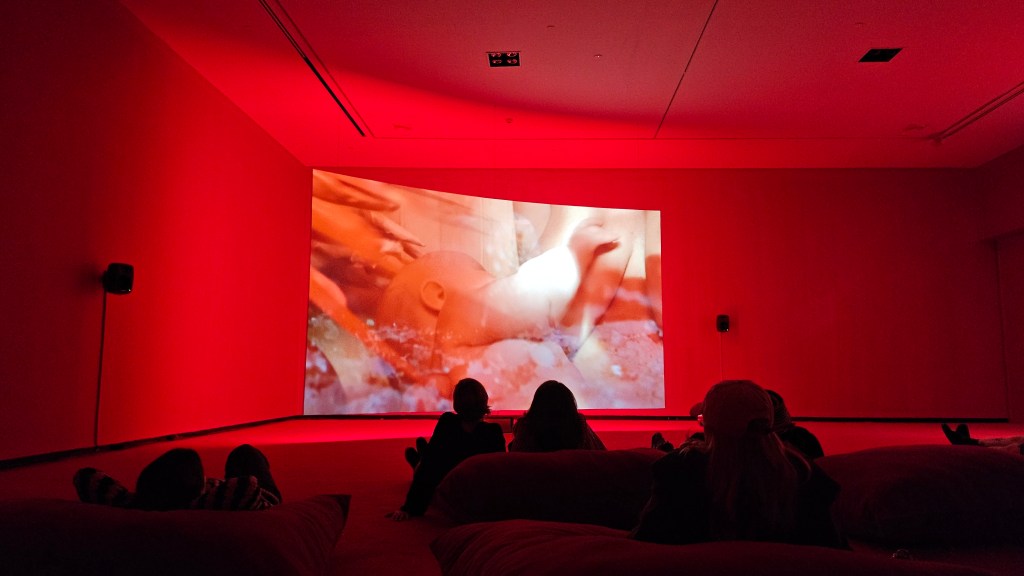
x: 412, y: 301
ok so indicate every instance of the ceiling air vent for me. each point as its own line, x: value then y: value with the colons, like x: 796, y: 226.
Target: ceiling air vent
x: 880, y: 54
x: 503, y: 59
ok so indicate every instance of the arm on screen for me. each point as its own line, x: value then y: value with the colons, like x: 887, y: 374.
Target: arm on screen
x: 602, y: 279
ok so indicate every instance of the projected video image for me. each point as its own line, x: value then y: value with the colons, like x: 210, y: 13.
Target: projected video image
x: 412, y: 290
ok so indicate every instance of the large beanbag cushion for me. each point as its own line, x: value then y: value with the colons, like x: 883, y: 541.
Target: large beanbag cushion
x: 604, y: 487
x: 929, y: 495
x: 47, y: 536
x: 529, y: 547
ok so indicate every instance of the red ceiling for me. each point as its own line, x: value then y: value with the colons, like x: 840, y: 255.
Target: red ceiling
x: 612, y: 84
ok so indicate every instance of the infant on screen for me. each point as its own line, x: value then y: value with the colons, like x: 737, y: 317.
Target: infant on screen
x: 445, y: 304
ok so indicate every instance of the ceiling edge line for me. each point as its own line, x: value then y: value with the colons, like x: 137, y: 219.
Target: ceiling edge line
x: 302, y: 54
x: 979, y: 113
x: 686, y: 69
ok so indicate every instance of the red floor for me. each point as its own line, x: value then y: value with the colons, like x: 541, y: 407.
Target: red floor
x: 364, y: 458
x: 365, y: 435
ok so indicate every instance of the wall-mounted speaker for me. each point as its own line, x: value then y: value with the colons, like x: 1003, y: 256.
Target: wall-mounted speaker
x: 722, y: 323
x: 119, y: 278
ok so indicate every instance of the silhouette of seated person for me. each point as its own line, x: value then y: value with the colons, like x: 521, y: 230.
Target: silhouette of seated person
x: 175, y: 481
x: 741, y: 482
x: 961, y: 435
x: 553, y: 422
x: 456, y: 436
x: 797, y: 437
x: 794, y: 436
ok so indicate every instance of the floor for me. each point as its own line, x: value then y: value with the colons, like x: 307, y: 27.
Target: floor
x: 385, y: 439
x: 363, y: 457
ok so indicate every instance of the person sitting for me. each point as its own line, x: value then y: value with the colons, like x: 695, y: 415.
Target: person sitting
x: 740, y: 483
x: 796, y: 437
x: 175, y: 481
x: 961, y: 435
x: 553, y: 422
x: 658, y: 441
x: 456, y: 436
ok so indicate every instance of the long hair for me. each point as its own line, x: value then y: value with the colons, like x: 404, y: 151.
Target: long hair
x: 752, y: 477
x: 553, y: 418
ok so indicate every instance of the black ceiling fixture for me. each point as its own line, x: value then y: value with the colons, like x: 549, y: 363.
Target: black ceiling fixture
x: 503, y: 59
x: 880, y: 54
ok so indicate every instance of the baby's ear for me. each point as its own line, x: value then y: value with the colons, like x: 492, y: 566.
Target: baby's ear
x: 432, y: 295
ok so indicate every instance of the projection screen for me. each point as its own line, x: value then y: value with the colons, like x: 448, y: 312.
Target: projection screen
x: 412, y: 289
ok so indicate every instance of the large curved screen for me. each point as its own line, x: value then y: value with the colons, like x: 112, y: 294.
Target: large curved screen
x: 412, y: 290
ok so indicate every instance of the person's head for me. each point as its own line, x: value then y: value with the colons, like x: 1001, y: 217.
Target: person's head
x: 751, y: 475
x: 552, y: 421
x: 553, y: 400
x: 171, y: 482
x: 470, y: 400
x: 736, y: 408
x: 781, y: 420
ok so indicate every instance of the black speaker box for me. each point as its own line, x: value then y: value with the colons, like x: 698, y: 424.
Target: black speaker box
x: 118, y: 278
x: 722, y: 323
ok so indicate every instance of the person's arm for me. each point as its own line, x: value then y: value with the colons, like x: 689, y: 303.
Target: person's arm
x: 815, y: 524
x: 95, y: 487
x: 677, y: 510
x: 521, y: 437
x: 803, y: 440
x: 496, y: 438
x: 238, y: 493
x: 591, y: 441
x: 447, y: 426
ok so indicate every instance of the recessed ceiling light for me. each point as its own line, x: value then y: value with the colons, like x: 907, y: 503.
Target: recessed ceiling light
x: 880, y: 54
x: 503, y: 59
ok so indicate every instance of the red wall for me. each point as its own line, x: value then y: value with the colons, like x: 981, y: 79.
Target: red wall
x: 116, y: 151
x: 854, y: 293
x: 1011, y: 284
x: 1000, y: 188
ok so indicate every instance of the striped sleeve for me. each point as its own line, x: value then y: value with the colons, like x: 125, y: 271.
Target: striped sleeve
x: 235, y: 494
x: 95, y: 487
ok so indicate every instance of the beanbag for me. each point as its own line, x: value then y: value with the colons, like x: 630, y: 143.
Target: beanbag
x: 929, y: 495
x: 603, y: 487
x: 518, y: 547
x: 49, y: 536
